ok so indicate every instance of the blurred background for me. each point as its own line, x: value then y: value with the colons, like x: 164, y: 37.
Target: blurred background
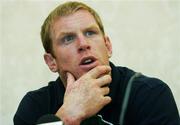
x: 145, y: 35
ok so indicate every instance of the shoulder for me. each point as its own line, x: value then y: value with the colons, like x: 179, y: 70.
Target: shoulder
x: 149, y: 99
x: 152, y: 91
x: 123, y: 75
x: 148, y: 84
x: 37, y: 102
x: 41, y: 94
x: 43, y: 91
x: 43, y: 97
x: 140, y: 82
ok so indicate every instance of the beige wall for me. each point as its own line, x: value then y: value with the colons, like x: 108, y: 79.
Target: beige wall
x: 144, y: 34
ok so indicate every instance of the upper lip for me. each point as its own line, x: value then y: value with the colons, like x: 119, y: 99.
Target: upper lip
x: 87, y: 57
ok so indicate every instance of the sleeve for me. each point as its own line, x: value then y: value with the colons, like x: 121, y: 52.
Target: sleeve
x: 154, y: 104
x: 28, y: 111
x: 18, y: 121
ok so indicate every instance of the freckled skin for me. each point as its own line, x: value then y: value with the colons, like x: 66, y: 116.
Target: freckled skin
x: 74, y: 37
x: 68, y: 56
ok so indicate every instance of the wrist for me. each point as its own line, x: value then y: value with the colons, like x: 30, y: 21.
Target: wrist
x: 68, y: 118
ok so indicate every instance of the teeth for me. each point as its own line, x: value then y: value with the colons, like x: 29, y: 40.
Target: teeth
x: 87, y: 61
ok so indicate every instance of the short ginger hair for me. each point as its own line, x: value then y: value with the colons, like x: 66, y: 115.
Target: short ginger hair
x: 64, y: 9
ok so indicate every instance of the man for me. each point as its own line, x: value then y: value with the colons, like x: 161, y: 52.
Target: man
x: 89, y: 85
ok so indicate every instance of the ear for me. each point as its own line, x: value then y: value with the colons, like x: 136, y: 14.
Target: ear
x: 51, y: 62
x: 108, y: 45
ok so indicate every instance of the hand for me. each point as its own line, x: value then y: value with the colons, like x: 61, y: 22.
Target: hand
x: 86, y: 96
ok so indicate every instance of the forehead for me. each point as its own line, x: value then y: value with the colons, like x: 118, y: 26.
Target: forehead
x: 78, y: 20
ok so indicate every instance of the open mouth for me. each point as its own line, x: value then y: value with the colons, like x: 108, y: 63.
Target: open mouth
x: 87, y: 60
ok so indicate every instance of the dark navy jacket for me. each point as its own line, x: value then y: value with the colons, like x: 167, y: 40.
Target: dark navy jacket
x: 151, y: 101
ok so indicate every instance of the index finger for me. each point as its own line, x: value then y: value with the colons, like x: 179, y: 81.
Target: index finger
x: 99, y: 71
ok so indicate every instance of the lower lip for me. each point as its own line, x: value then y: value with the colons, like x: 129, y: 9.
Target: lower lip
x: 89, y: 66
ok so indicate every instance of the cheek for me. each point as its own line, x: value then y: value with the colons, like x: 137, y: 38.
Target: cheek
x: 101, y: 44
x: 66, y: 58
x: 64, y: 62
x: 103, y: 54
x: 102, y: 49
x: 64, y: 55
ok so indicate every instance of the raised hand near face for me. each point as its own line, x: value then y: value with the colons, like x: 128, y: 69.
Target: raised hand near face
x: 85, y: 96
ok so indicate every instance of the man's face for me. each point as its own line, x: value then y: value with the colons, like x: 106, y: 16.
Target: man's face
x: 78, y: 44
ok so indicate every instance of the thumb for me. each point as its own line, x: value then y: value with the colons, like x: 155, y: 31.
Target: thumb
x: 70, y: 78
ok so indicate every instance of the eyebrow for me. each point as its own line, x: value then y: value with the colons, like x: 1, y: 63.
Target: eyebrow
x: 71, y: 32
x: 87, y: 28
x: 92, y: 27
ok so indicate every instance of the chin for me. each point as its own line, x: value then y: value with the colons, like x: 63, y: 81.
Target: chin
x: 80, y: 74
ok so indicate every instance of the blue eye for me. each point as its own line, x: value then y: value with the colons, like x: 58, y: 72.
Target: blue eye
x: 89, y: 33
x: 68, y: 39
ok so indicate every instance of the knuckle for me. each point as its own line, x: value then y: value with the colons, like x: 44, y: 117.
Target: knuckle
x: 108, y: 89
x: 99, y: 68
x: 103, y: 68
x: 109, y: 79
x: 107, y: 100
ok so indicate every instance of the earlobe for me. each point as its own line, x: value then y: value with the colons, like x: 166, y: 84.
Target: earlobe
x: 108, y: 45
x: 51, y: 62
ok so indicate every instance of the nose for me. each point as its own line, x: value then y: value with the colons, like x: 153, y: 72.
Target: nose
x: 83, y: 44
